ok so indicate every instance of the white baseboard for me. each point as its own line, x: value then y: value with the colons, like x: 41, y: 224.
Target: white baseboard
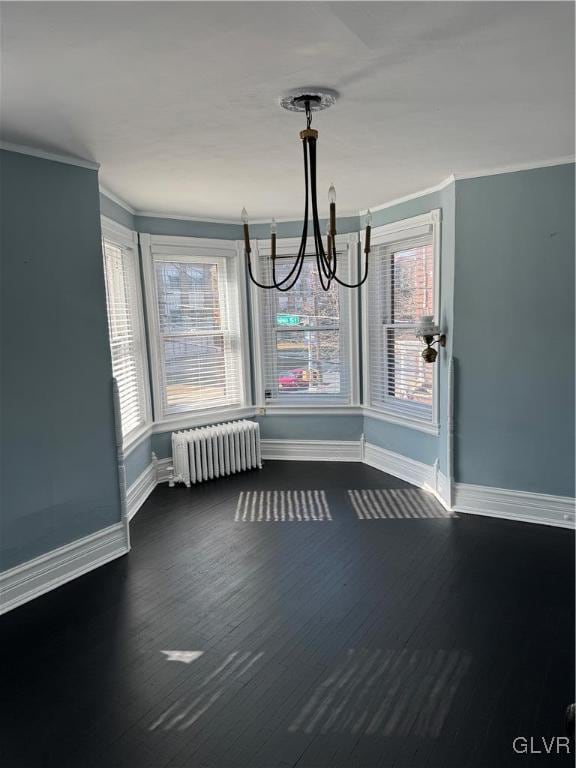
x: 43, y: 574
x: 515, y: 505
x: 140, y: 489
x: 163, y: 470
x: 444, y: 490
x: 312, y: 450
x: 415, y: 472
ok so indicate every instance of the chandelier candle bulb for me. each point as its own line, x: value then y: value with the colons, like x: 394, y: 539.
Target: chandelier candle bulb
x: 273, y: 238
x: 328, y: 244
x: 368, y: 231
x: 332, y: 200
x: 244, y: 217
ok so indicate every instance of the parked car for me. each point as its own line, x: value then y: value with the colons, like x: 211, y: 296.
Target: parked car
x: 299, y: 378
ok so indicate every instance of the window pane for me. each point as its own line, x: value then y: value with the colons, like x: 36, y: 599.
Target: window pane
x: 306, y: 304
x: 308, y: 362
x: 188, y: 297
x: 400, y: 291
x: 413, y: 284
x: 127, y: 353
x: 409, y: 377
x: 195, y: 370
x: 305, y: 334
x: 199, y: 347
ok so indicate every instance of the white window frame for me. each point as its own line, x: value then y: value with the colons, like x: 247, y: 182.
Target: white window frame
x: 173, y: 248
x: 405, y: 229
x: 349, y: 244
x: 127, y: 241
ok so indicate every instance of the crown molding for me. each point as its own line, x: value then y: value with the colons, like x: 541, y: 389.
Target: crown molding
x: 115, y: 199
x: 421, y: 193
x: 237, y: 222
x: 21, y: 149
x: 515, y: 168
x: 180, y: 217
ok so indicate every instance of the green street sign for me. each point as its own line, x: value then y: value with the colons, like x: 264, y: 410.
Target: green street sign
x: 287, y: 319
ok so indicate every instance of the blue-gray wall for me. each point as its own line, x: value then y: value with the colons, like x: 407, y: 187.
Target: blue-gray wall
x: 59, y: 478
x: 514, y: 330
x: 117, y: 212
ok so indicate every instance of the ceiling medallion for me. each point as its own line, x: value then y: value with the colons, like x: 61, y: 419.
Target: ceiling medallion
x: 309, y: 100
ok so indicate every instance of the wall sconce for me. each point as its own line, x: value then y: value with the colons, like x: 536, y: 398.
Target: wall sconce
x: 426, y: 331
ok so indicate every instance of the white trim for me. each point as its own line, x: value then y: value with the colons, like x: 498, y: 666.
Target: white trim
x: 257, y: 340
x: 237, y: 222
x: 429, y: 223
x: 21, y: 149
x: 522, y: 506
x: 141, y: 488
x: 410, y: 470
x: 312, y: 450
x: 515, y: 168
x: 118, y: 233
x: 115, y: 199
x: 182, y: 217
x: 193, y: 419
x: 47, y: 572
x: 443, y: 490
x: 164, y: 470
x: 244, y: 323
x: 395, y: 417
x: 412, y: 196
x: 354, y: 321
x: 193, y: 246
x: 315, y: 403
x: 310, y: 410
x: 449, y: 436
x: 170, y: 248
x: 412, y: 227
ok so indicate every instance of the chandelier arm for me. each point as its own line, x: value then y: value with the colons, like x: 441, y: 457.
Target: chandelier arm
x: 275, y: 285
x: 325, y: 269
x: 361, y: 282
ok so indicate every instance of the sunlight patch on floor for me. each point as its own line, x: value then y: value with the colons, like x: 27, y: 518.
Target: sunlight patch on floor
x: 184, y: 712
x: 386, y: 692
x: 396, y: 504
x: 187, y: 657
x: 282, y: 506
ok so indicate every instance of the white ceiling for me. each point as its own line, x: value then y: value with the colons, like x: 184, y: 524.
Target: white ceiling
x: 179, y: 101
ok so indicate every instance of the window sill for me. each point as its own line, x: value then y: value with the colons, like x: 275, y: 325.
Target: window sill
x: 305, y: 409
x: 201, y: 418
x: 394, y: 417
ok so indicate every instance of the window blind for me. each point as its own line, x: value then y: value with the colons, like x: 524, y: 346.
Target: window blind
x: 400, y: 290
x: 126, y: 332
x: 305, y: 333
x: 199, y: 333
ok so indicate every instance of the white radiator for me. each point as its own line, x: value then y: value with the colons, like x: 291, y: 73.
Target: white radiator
x: 208, y: 452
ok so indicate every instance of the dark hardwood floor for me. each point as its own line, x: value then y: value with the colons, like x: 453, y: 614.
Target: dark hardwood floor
x: 410, y: 642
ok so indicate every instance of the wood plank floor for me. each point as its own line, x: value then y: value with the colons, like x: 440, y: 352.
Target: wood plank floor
x: 340, y: 641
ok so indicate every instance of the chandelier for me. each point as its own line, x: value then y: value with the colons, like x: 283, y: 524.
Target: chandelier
x: 309, y: 101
